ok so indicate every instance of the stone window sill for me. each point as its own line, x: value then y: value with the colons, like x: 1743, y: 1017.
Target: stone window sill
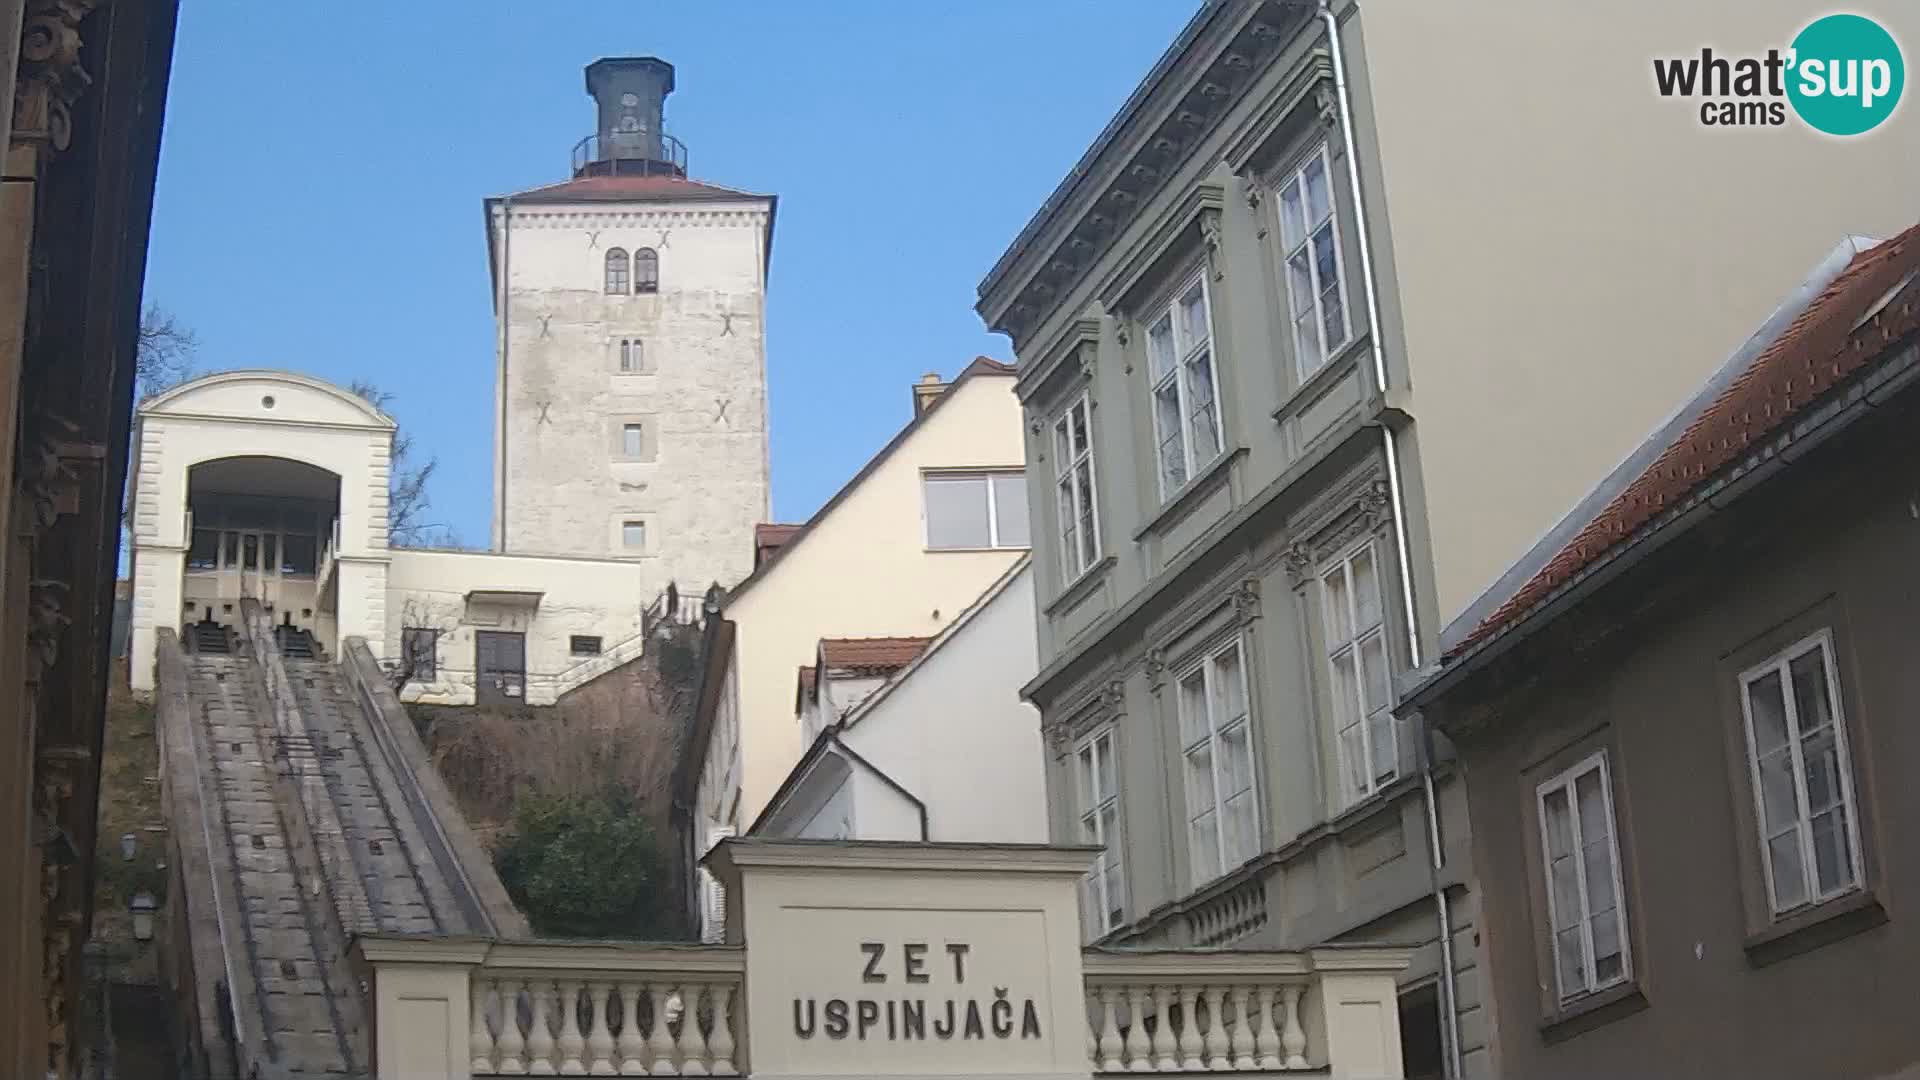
x: 1200, y: 484
x: 1841, y: 917
x: 1594, y: 1010
x: 1337, y: 367
x: 1080, y: 587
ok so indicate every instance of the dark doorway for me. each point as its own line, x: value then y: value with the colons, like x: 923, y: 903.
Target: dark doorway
x: 1420, y: 1033
x: 500, y: 659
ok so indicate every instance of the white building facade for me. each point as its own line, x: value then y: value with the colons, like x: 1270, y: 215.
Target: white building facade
x: 942, y: 750
x: 630, y: 450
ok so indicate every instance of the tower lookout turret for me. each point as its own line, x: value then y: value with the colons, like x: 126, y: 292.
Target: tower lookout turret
x: 630, y: 95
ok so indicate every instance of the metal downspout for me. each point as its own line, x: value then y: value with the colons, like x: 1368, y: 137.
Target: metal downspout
x: 1450, y: 1017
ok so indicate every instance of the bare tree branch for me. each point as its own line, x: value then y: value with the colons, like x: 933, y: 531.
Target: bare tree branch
x: 407, y: 499
x: 163, y: 357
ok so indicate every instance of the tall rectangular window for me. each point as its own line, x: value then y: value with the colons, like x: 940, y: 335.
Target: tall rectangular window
x: 629, y: 355
x: 1104, y: 893
x: 1582, y: 859
x: 1310, y: 233
x: 1186, y: 414
x: 1217, y: 746
x: 1073, y: 457
x: 631, y: 443
x: 419, y: 648
x: 1359, y: 678
x: 1802, y: 776
x: 976, y: 510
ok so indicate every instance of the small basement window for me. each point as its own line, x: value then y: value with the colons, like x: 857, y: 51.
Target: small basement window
x: 584, y: 645
x: 633, y: 535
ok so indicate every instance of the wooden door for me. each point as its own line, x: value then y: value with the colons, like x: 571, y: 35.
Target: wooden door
x: 500, y: 665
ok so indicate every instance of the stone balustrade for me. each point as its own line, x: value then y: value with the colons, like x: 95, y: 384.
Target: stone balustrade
x: 607, y: 1009
x: 1205, y: 1010
x: 553, y: 1009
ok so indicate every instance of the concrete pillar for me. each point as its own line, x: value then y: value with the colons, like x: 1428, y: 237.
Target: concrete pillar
x: 421, y: 1018
x: 1359, y: 1012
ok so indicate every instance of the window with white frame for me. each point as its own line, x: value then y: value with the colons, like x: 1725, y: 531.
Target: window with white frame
x: 1310, y: 233
x: 1216, y: 744
x: 1359, y: 677
x: 972, y: 510
x: 1581, y: 851
x: 1802, y: 776
x: 630, y: 355
x: 1104, y: 890
x: 1186, y: 413
x: 1073, y: 469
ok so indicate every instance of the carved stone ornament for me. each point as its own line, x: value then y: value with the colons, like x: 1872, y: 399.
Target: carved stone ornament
x: 1375, y: 503
x: 1113, y: 699
x: 1059, y: 739
x: 1210, y: 233
x: 1299, y: 560
x: 1246, y: 601
x: 1327, y: 105
x: 51, y: 77
x: 1156, y: 667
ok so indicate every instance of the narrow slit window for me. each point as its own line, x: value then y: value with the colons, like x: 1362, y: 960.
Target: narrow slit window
x: 632, y: 441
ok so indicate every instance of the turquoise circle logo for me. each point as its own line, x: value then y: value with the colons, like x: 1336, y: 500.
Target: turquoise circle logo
x: 1847, y: 74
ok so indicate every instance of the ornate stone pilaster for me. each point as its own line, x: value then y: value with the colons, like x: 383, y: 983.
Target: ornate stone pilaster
x: 1156, y: 667
x: 51, y: 77
x: 1375, y: 503
x: 1299, y: 560
x: 1059, y: 739
x: 1210, y: 233
x: 1113, y: 700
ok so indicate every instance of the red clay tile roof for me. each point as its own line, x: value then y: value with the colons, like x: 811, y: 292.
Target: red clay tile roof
x: 769, y: 537
x: 875, y: 656
x: 1813, y: 354
x: 629, y: 188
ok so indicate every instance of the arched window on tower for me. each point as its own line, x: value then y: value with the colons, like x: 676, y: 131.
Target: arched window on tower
x: 646, y: 271
x: 617, y: 272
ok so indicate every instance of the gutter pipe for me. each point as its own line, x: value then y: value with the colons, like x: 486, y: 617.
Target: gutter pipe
x: 500, y: 398
x: 1436, y: 858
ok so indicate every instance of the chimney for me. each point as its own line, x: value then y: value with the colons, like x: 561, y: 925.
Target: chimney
x: 926, y: 390
x: 630, y: 95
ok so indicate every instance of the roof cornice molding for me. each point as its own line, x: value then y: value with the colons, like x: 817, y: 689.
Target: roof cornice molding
x: 1183, y: 101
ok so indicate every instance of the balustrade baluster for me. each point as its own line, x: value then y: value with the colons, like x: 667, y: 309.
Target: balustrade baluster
x: 632, y: 1043
x: 1190, y: 1044
x: 572, y: 1046
x: 539, y: 1035
x: 1265, y: 1041
x: 1093, y: 1031
x: 1137, y: 1047
x: 600, y: 1041
x: 1109, y: 1033
x: 1217, y: 1029
x: 722, y: 1041
x: 693, y: 1048
x: 511, y: 1043
x: 1242, y: 1030
x: 1163, y: 1040
x: 479, y: 1039
x: 1292, y: 1038
x: 659, y: 1044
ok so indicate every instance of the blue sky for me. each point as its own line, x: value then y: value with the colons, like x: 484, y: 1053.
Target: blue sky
x: 323, y: 166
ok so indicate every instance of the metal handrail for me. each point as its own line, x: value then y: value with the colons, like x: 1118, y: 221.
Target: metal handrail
x: 631, y: 153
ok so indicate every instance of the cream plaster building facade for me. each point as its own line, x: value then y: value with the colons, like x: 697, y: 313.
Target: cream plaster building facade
x: 910, y: 543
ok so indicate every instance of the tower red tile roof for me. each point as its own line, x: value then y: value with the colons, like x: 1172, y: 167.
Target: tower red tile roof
x: 1824, y: 345
x: 769, y: 537
x: 628, y: 189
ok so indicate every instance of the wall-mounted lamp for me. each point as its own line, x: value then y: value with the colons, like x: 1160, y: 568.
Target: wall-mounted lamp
x: 129, y: 844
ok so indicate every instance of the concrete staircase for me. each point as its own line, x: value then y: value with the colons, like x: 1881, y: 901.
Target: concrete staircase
x: 304, y: 813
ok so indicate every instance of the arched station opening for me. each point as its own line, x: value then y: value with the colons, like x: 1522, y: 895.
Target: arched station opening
x: 265, y: 528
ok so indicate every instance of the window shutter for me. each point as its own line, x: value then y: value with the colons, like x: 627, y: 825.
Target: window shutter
x: 713, y: 895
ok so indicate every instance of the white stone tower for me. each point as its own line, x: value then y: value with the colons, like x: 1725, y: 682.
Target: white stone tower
x: 630, y: 395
